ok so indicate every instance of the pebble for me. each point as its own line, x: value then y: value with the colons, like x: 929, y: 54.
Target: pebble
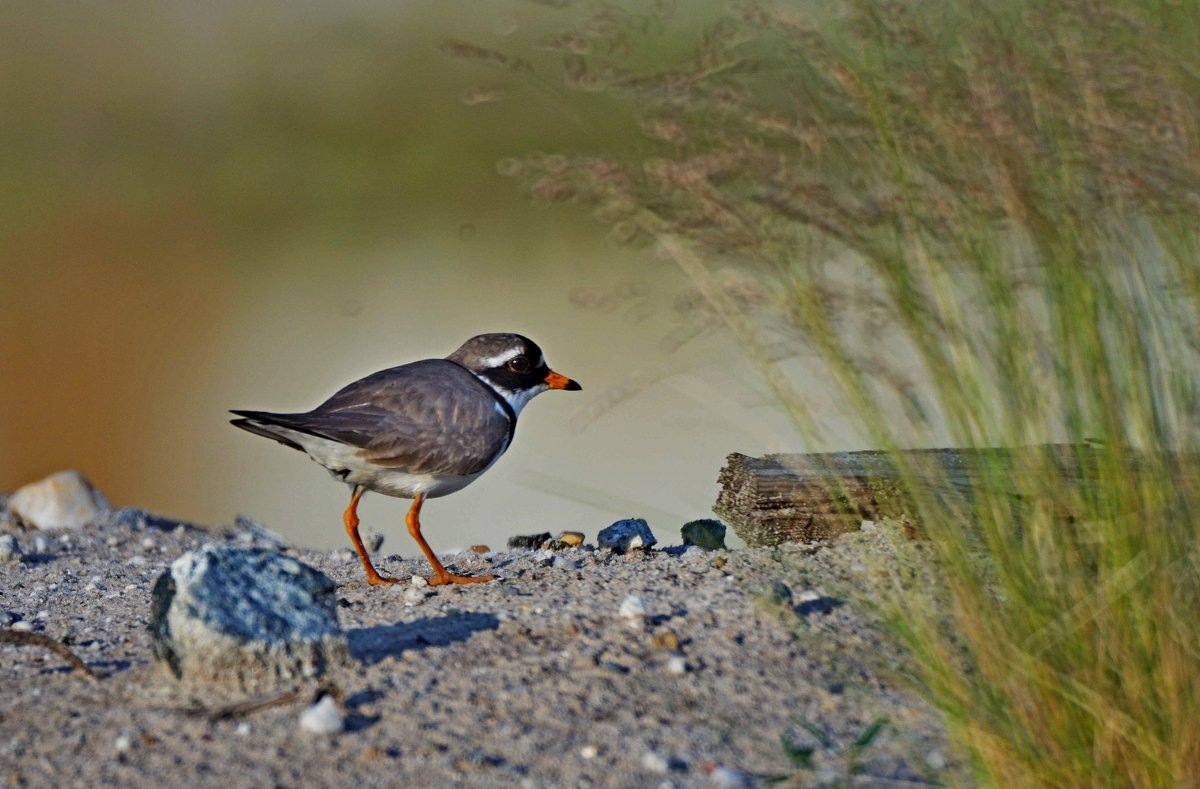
x: 419, y: 581
x: 41, y: 544
x: 728, y: 778
x: 413, y: 596
x: 563, y: 563
x: 9, y: 550
x: 632, y: 608
x: 571, y: 538
x: 655, y: 763
x: 60, y: 501
x: 779, y: 594
x: 589, y: 752
x: 137, y: 561
x: 676, y: 665
x: 372, y: 541
x: 528, y: 541
x: 324, y: 717
x: 481, y: 549
x: 148, y: 543
x: 936, y: 760
x: 705, y: 533
x: 21, y: 626
x: 122, y: 744
x: 243, y: 729
x: 626, y: 535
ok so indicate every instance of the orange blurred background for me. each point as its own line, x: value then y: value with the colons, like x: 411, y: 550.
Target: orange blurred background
x: 224, y: 206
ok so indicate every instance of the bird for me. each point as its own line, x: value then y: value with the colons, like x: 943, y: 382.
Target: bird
x: 418, y: 431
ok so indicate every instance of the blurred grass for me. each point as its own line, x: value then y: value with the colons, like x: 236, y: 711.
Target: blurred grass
x: 984, y: 220
x: 265, y: 118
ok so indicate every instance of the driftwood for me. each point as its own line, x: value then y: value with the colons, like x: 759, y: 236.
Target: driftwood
x: 803, y: 498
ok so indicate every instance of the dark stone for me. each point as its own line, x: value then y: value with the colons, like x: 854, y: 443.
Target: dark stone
x: 136, y: 519
x: 626, y: 535
x: 247, y: 617
x: 528, y: 541
x: 706, y: 533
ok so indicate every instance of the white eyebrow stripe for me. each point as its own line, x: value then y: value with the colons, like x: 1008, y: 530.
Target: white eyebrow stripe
x: 499, y: 361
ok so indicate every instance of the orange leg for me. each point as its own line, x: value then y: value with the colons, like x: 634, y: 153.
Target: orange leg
x: 441, y: 576
x: 351, y: 519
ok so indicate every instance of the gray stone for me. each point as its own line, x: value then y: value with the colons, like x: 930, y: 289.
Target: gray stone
x: 9, y: 550
x: 60, y: 501
x: 135, y: 519
x: 528, y: 541
x: 626, y: 535
x: 251, y: 532
x: 245, y: 617
x: 706, y: 533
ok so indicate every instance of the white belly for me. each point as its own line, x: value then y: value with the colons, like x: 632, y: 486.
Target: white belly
x: 344, y: 463
x: 401, y: 484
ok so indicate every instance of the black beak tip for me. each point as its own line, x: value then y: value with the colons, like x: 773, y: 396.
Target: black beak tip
x: 573, y: 386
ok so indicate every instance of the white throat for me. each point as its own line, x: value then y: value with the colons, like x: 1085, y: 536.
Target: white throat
x: 516, y: 399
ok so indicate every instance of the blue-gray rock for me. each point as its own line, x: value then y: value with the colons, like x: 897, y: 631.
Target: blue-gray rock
x: 707, y: 533
x: 626, y: 535
x: 245, y: 617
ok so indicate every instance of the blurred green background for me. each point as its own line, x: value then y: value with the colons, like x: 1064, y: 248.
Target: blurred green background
x: 214, y: 206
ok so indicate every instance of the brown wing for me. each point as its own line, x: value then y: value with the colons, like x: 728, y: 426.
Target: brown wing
x: 428, y: 417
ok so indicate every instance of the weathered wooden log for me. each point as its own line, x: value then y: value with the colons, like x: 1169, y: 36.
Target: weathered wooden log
x: 808, y: 497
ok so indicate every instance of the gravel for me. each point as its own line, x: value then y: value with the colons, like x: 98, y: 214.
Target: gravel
x: 536, y: 680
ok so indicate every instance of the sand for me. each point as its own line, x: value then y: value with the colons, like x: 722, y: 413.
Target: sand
x: 537, y: 680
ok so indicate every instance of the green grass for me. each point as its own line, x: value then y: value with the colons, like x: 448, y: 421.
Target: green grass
x: 978, y: 223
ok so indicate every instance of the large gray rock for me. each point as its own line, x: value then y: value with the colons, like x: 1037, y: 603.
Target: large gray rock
x: 626, y: 535
x: 245, y: 617
x: 60, y: 501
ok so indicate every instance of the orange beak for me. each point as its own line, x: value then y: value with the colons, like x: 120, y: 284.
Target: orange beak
x: 556, y: 381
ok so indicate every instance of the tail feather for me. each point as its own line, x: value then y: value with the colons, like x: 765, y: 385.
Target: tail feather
x: 260, y: 424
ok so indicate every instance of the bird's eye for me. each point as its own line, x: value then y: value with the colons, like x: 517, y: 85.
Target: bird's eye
x: 519, y: 365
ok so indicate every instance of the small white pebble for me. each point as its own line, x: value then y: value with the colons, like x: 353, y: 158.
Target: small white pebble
x: 137, y: 561
x: 935, y: 760
x: 122, y: 743
x: 413, y: 596
x: 22, y: 626
x: 243, y: 729
x: 324, y: 717
x: 43, y: 614
x: 808, y: 595
x: 130, y: 587
x: 654, y: 763
x: 633, y: 609
x: 727, y: 778
x: 588, y: 752
x: 112, y: 542
x: 41, y: 545
x: 866, y: 525
x: 676, y: 665
x: 148, y: 543
x: 419, y: 581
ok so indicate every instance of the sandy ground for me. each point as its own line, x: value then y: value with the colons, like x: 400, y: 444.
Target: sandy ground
x: 532, y: 681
